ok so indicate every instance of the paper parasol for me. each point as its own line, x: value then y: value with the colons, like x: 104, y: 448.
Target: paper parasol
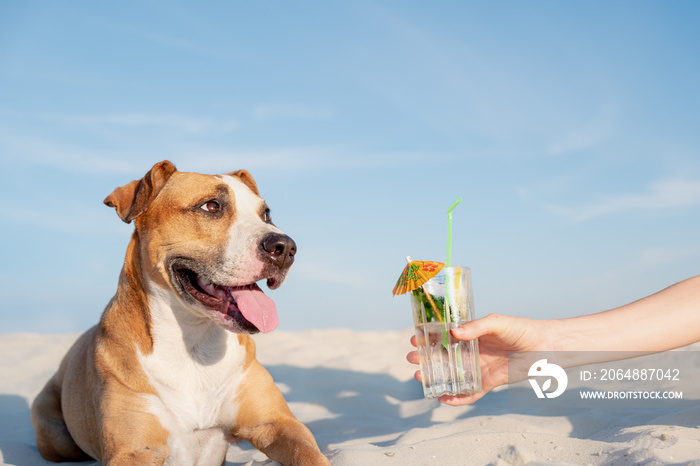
x: 416, y: 274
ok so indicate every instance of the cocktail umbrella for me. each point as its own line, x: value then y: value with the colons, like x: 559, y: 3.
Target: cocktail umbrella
x: 415, y: 274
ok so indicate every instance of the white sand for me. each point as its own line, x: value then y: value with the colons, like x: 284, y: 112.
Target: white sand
x: 356, y: 392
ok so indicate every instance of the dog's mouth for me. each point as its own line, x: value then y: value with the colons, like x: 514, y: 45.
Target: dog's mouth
x: 239, y: 309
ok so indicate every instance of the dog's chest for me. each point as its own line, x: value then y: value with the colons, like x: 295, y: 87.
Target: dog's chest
x: 196, y: 385
x: 196, y: 388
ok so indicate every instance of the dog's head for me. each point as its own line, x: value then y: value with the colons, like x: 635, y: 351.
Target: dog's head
x: 208, y: 239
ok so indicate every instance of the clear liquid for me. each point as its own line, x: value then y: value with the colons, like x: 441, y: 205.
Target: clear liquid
x: 448, y: 366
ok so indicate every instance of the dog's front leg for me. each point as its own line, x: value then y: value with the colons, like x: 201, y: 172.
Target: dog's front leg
x: 264, y: 419
x: 130, y: 435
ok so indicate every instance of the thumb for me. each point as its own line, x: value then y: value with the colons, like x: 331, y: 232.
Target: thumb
x: 478, y: 327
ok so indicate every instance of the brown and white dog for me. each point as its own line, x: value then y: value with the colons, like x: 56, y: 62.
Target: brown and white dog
x: 169, y: 374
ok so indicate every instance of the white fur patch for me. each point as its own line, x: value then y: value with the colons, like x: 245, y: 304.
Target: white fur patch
x: 196, y: 368
x: 245, y: 233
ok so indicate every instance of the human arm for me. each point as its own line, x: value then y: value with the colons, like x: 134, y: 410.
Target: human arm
x: 665, y: 320
x: 662, y: 321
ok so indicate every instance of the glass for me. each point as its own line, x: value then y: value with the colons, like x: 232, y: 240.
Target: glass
x: 448, y: 366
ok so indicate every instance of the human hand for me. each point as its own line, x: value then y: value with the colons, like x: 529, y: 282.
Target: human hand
x: 497, y: 336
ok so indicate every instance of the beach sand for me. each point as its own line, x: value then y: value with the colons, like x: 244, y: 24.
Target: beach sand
x: 356, y: 393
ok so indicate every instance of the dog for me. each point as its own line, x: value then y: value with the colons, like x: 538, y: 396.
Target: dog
x: 169, y: 375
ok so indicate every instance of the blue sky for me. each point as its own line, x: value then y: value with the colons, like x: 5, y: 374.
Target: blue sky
x: 569, y: 129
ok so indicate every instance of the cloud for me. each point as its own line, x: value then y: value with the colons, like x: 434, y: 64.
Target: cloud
x: 652, y: 258
x: 291, y: 111
x: 588, y: 135
x: 211, y: 160
x: 309, y: 158
x: 69, y: 219
x: 189, y: 46
x: 66, y: 157
x: 134, y: 161
x: 322, y: 272
x: 661, y: 195
x: 175, y: 122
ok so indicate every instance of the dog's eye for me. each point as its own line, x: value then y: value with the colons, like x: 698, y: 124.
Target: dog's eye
x: 211, y: 206
x: 266, y: 216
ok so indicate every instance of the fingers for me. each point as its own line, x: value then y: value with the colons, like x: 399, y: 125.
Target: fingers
x: 460, y: 400
x: 474, y: 329
x: 412, y: 357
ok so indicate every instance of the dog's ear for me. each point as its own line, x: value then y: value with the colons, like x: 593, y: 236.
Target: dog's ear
x: 133, y: 199
x: 247, y: 179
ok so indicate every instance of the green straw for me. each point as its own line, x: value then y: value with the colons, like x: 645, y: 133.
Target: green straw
x: 448, y: 262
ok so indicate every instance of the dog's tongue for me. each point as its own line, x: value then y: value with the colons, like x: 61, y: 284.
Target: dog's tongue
x: 256, y: 307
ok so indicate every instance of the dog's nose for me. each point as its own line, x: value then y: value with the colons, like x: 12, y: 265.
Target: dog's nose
x: 279, y: 249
